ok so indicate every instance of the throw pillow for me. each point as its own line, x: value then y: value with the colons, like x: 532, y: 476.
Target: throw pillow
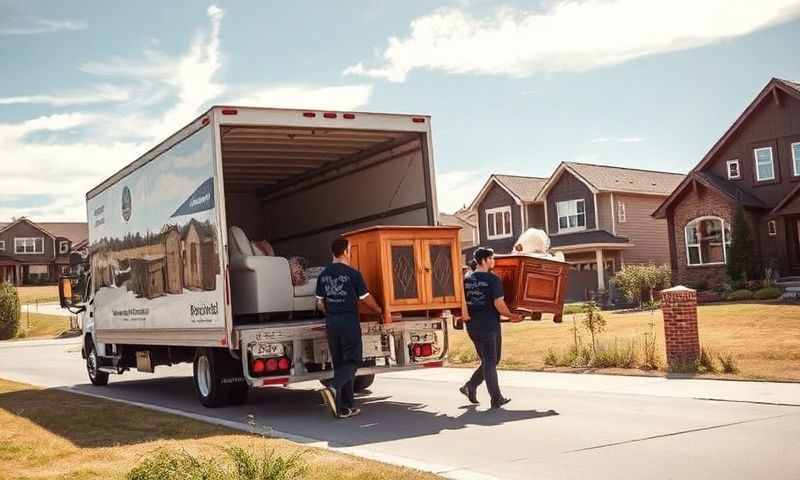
x: 297, y: 267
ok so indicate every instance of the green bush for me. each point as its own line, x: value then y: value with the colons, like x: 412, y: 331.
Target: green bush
x: 706, y: 360
x: 742, y: 294
x: 573, y: 308
x: 768, y: 293
x: 639, y: 282
x: 240, y: 465
x: 9, y: 311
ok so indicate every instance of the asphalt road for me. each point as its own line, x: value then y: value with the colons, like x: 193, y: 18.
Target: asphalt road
x: 558, y: 426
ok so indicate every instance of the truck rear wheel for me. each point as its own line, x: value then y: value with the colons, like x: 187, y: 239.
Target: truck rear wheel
x: 362, y: 382
x: 96, y: 376
x: 207, y: 378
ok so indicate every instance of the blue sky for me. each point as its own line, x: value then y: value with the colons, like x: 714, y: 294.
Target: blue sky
x: 513, y: 87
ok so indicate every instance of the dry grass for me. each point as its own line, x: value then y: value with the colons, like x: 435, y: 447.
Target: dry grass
x: 47, y: 293
x: 763, y: 337
x: 50, y: 434
x: 39, y: 325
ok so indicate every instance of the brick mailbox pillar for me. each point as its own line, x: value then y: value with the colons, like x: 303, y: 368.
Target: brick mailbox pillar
x: 679, y: 306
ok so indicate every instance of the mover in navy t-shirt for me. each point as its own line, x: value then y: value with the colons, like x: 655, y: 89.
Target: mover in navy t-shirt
x: 341, y: 286
x: 482, y: 289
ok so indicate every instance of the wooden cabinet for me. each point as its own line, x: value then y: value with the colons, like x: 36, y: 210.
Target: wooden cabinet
x: 532, y: 284
x: 410, y: 270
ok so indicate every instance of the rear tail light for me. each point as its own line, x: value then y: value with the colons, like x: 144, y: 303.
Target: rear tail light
x: 329, y: 115
x: 283, y: 364
x: 309, y: 114
x: 258, y: 366
x: 272, y: 365
x: 417, y: 350
x: 229, y: 111
x: 349, y: 116
x: 422, y: 350
x: 418, y: 120
x: 427, y: 350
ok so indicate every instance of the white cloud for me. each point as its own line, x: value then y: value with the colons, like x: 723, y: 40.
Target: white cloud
x: 44, y: 25
x: 98, y: 94
x: 143, y: 101
x: 307, y: 96
x: 568, y: 35
x: 617, y: 140
x: 457, y: 188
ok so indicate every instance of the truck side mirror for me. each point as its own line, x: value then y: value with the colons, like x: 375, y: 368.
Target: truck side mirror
x: 67, y: 294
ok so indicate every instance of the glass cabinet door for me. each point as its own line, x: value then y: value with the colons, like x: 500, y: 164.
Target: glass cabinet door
x: 405, y: 281
x: 440, y: 270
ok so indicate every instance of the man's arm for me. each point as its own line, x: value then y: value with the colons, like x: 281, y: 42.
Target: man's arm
x: 321, y: 304
x: 502, y: 308
x: 370, y: 302
x: 364, y: 296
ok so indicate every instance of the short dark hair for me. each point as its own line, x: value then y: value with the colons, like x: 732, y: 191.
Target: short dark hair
x: 473, y: 264
x: 339, y: 246
x: 482, y: 253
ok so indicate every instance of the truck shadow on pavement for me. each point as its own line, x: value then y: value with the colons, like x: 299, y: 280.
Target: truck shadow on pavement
x: 300, y: 412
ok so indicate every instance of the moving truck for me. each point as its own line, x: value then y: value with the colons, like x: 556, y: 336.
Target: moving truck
x: 179, y: 269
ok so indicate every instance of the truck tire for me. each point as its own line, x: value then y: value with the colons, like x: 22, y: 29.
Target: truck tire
x: 362, y: 382
x: 97, y: 377
x: 207, y: 378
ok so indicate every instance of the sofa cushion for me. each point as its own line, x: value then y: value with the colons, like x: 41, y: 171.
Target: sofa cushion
x: 240, y: 242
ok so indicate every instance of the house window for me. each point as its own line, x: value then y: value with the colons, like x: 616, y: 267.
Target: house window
x: 2, y: 245
x: 772, y: 228
x: 571, y: 215
x: 29, y: 246
x: 621, y: 216
x: 63, y: 247
x: 733, y: 170
x: 707, y: 241
x: 498, y: 223
x: 796, y: 158
x: 765, y: 166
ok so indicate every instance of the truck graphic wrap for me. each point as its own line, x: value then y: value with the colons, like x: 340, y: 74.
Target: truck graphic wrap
x: 155, y: 242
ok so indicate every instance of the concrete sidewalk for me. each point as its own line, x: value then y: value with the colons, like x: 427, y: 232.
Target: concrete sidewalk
x: 773, y: 393
x: 50, y: 308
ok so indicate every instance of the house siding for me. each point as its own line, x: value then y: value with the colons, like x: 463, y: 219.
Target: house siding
x: 497, y: 197
x: 536, y: 216
x: 569, y: 188
x: 26, y: 230
x: 604, y: 218
x: 648, y: 235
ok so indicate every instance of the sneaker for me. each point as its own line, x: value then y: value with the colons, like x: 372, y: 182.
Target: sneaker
x: 500, y: 402
x: 470, y: 393
x: 329, y: 397
x: 350, y: 412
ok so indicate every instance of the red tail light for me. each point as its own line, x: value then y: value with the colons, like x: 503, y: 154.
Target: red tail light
x: 417, y: 350
x: 349, y: 116
x: 258, y: 366
x: 229, y: 111
x: 427, y: 350
x: 329, y: 115
x: 272, y: 365
x: 418, y: 120
x: 309, y: 114
x: 283, y: 363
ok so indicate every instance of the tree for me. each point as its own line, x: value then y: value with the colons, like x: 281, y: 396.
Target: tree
x: 740, y: 254
x: 9, y: 311
x: 638, y: 282
x: 594, y: 322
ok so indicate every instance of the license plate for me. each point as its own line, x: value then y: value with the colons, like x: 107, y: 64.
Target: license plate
x: 263, y: 349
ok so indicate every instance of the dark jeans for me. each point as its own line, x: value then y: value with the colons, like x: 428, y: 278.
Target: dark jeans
x: 344, y: 342
x: 488, y: 347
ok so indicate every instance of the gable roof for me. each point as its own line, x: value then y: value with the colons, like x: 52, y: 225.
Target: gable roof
x: 73, y: 231
x: 448, y: 219
x: 610, y: 178
x: 785, y: 200
x: 774, y: 86
x: 729, y: 189
x: 522, y: 189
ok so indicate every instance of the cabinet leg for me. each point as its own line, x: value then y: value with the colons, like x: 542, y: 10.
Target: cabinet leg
x: 557, y: 318
x: 536, y: 316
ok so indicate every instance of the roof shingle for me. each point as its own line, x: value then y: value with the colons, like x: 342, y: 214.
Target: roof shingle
x: 630, y: 180
x: 526, y: 188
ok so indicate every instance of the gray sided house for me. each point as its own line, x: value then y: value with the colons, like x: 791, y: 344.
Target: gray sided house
x: 599, y: 216
x: 755, y: 164
x: 37, y: 253
x: 504, y: 208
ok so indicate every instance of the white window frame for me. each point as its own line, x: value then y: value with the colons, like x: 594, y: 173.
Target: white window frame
x: 772, y: 228
x: 490, y: 214
x: 22, y: 240
x: 725, y: 243
x: 63, y: 247
x: 2, y: 245
x: 795, y: 158
x: 738, y: 169
x: 772, y: 163
x: 622, y: 216
x: 564, y: 204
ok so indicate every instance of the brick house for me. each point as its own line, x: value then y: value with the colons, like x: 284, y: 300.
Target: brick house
x: 35, y: 253
x: 756, y: 163
x: 599, y: 216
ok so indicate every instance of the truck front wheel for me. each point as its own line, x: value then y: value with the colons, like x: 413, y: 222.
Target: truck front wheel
x: 207, y: 378
x: 96, y: 376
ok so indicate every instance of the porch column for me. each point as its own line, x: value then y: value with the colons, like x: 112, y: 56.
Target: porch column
x: 601, y: 280
x: 19, y: 275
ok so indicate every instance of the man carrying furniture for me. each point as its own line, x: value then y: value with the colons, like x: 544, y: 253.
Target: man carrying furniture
x: 485, y: 304
x: 340, y: 288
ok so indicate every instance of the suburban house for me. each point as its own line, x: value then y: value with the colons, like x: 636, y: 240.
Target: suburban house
x: 598, y: 216
x: 33, y: 253
x: 505, y: 207
x: 469, y: 230
x: 756, y: 163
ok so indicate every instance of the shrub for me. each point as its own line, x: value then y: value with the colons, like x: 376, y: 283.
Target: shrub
x: 572, y: 308
x: 551, y: 358
x: 239, y: 465
x: 9, y: 311
x: 738, y: 295
x: 706, y: 360
x: 740, y: 264
x: 728, y: 362
x: 594, y: 322
x: 753, y: 284
x: 768, y: 293
x: 638, y: 282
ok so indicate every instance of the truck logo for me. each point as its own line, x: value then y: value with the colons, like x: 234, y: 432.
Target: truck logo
x: 126, y: 203
x: 201, y: 200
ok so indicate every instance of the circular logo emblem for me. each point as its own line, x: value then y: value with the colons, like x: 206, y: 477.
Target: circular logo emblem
x: 126, y: 203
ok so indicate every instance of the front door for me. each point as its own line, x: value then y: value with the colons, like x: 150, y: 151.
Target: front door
x: 793, y: 239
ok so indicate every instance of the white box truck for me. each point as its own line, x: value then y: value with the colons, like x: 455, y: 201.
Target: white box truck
x: 176, y: 271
